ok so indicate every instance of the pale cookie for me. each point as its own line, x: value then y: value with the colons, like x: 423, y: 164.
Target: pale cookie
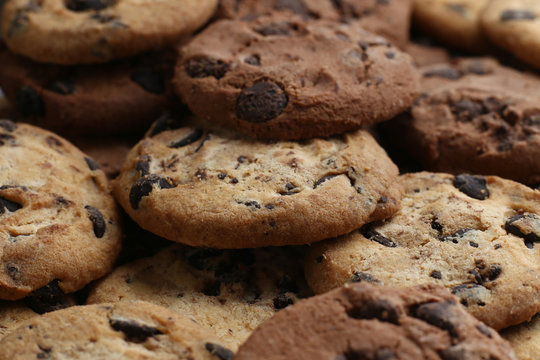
x: 363, y: 321
x: 58, y: 222
x: 128, y: 330
x: 525, y: 339
x: 12, y: 313
x: 230, y: 292
x: 475, y: 235
x: 210, y: 187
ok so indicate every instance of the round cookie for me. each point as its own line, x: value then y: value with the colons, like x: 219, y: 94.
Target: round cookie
x: 278, y: 77
x: 424, y: 55
x: 474, y: 116
x: 70, y: 32
x: 363, y: 321
x: 12, y: 313
x: 210, y: 187
x: 58, y: 222
x: 121, y: 97
x: 514, y: 26
x: 475, y: 235
x: 525, y: 339
x: 390, y: 19
x: 127, y: 330
x: 230, y: 292
x: 455, y: 23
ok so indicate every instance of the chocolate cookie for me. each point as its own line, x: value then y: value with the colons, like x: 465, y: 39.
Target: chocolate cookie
x: 453, y: 23
x: 388, y: 18
x: 514, y: 26
x: 474, y: 116
x: 230, y: 292
x: 475, y: 235
x: 279, y: 77
x: 122, y: 97
x: 424, y: 55
x: 363, y: 321
x: 70, y: 32
x: 210, y: 187
x: 525, y: 339
x: 59, y: 226
x: 128, y: 330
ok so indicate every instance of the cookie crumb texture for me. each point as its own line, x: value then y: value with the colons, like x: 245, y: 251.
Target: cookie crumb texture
x: 363, y: 321
x: 525, y: 338
x: 280, y: 77
x: 59, y: 226
x: 478, y: 236
x: 211, y: 187
x: 70, y: 32
x: 129, y: 330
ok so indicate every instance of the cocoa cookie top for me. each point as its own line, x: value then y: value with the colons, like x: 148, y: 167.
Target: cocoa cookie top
x: 363, y: 321
x: 58, y: 222
x: 128, y: 330
x: 231, y: 292
x: 476, y: 235
x: 280, y: 77
x: 96, y: 31
x: 210, y: 187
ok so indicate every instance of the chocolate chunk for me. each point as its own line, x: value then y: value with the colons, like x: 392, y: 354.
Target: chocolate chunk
x: 13, y: 272
x: 53, y: 142
x: 47, y: 298
x: 219, y: 351
x: 275, y: 29
x: 466, y: 110
x: 8, y: 125
x: 201, y: 67
x: 473, y: 244
x: 457, y: 8
x: 376, y: 309
x: 472, y: 185
x: 436, y: 274
x: 7, y: 139
x: 360, y: 276
x: 456, y: 236
x: 62, y: 87
x: 97, y: 219
x: 212, y: 288
x: 439, y: 314
x: 447, y: 73
x: 435, y: 225
x: 373, y: 235
x: 204, y: 140
x: 134, y: 331
x: 84, y: 5
x: 471, y: 294
x: 526, y: 227
x: 145, y: 185
x: 254, y: 60
x: 150, y: 80
x: 282, y: 301
x: 390, y: 54
x: 483, y: 273
x: 45, y: 352
x: 188, y: 140
x: 29, y: 103
x: 511, y: 15
x: 323, y: 179
x: 143, y: 165
x: 261, y: 102
x: 253, y: 204
x: 91, y: 163
x: 165, y: 122
x: 8, y: 205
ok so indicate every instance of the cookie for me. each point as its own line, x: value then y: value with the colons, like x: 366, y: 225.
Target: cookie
x: 121, y: 97
x: 59, y: 226
x: 128, y: 330
x: 279, y: 77
x: 230, y: 292
x: 455, y: 23
x: 12, y: 313
x: 424, y: 55
x: 474, y: 116
x: 475, y: 235
x: 210, y: 187
x: 363, y: 321
x: 514, y: 26
x: 390, y: 19
x: 525, y: 339
x: 97, y: 31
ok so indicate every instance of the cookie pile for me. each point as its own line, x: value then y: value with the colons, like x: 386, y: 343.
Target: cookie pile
x: 278, y: 179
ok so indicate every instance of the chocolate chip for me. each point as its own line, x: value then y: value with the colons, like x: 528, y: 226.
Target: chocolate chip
x: 219, y: 351
x: 360, y: 276
x: 204, y: 140
x: 7, y: 139
x: 261, y: 102
x: 97, y: 219
x: 377, y: 309
x: 212, y: 288
x: 165, y: 122
x: 526, y: 227
x: 253, y: 204
x: 458, y: 8
x: 145, y: 185
x: 254, y: 60
x: 8, y: 125
x: 91, y: 163
x: 456, y: 236
x: 47, y: 298
x: 440, y: 314
x: 435, y: 225
x: 150, y: 80
x: 511, y: 14
x: 447, y: 73
x: 275, y: 29
x: 222, y: 176
x: 466, y: 110
x: 472, y: 185
x: 8, y: 205
x: 282, y: 301
x: 84, y: 5
x: 323, y: 179
x: 45, y: 352
x: 143, y: 165
x: 53, y: 141
x: 390, y: 54
x: 63, y: 87
x: 201, y: 67
x: 478, y: 68
x: 13, y: 272
x: 436, y: 274
x: 188, y: 140
x: 471, y: 294
x: 373, y: 235
x: 29, y: 103
x: 484, y: 273
x: 134, y: 331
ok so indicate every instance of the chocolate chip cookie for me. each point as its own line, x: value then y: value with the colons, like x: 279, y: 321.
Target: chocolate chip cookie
x: 127, y: 330
x: 59, y: 226
x: 210, y: 187
x: 70, y: 32
x: 230, y: 292
x: 363, y: 321
x: 474, y: 116
x: 122, y: 97
x: 279, y: 77
x: 12, y: 313
x: 514, y: 26
x: 525, y: 339
x: 476, y: 235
